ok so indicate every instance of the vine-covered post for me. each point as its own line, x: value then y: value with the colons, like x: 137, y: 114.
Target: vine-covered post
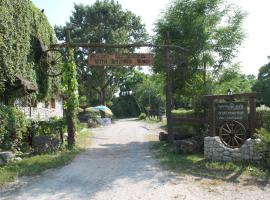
x: 71, y: 94
x: 168, y: 91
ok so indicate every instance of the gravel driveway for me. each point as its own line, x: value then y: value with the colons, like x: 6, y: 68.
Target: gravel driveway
x: 119, y: 166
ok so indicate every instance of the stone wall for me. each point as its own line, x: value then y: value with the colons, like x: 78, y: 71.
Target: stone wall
x: 215, y: 150
x: 43, y: 112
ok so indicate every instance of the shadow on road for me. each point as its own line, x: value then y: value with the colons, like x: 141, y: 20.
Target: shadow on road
x: 108, y: 167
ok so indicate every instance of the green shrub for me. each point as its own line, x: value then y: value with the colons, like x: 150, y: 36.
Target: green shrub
x: 13, y: 127
x: 264, y: 148
x: 263, y: 117
x: 55, y: 126
x: 142, y: 116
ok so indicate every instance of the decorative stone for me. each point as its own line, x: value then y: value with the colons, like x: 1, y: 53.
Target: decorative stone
x: 215, y: 150
x: 7, y: 156
x: 45, y: 143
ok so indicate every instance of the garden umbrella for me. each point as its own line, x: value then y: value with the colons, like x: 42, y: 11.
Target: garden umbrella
x: 104, y: 109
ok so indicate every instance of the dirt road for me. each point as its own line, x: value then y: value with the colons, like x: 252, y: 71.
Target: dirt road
x: 119, y: 166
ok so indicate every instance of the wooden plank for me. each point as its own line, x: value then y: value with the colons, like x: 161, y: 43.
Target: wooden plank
x: 211, y: 117
x: 179, y: 120
x: 120, y: 59
x: 252, y: 115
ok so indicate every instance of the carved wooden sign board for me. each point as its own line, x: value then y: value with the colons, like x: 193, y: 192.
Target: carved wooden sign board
x: 231, y: 111
x: 120, y: 59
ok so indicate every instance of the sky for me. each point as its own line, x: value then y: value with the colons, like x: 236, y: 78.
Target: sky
x: 252, y: 54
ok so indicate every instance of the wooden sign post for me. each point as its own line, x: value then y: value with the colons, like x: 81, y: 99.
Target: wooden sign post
x: 232, y: 120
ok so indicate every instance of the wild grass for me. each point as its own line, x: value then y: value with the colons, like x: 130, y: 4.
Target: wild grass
x: 38, y: 164
x: 196, y: 165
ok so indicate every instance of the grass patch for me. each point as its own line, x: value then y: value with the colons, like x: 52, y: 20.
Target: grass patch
x: 183, y: 112
x: 154, y: 120
x: 37, y: 164
x: 194, y: 164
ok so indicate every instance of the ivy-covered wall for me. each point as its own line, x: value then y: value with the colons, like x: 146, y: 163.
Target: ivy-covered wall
x: 21, y: 23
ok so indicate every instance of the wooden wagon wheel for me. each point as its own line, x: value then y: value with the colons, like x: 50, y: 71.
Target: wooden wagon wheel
x: 232, y: 134
x: 54, y: 61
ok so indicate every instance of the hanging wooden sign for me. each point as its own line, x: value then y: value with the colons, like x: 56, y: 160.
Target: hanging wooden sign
x: 120, y: 59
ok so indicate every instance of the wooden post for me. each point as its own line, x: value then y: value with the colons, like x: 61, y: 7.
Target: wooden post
x: 252, y: 115
x: 211, y: 117
x: 70, y: 115
x: 168, y: 92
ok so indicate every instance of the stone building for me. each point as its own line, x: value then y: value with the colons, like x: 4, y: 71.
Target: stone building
x: 42, y: 111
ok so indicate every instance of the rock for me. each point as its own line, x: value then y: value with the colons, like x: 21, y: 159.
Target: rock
x: 236, y: 155
x: 2, y: 162
x: 91, y: 123
x: 18, y: 159
x: 188, y: 146
x: 163, y: 136
x: 7, y: 156
x: 227, y: 159
x: 45, y: 144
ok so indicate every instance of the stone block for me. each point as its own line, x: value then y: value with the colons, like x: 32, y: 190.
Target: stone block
x: 7, y: 156
x: 226, y: 153
x: 236, y: 155
x: 227, y: 158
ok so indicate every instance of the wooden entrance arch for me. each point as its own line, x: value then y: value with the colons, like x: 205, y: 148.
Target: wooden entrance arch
x: 166, y: 47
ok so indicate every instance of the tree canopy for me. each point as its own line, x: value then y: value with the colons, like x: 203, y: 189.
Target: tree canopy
x: 103, y: 22
x: 262, y: 85
x: 209, y: 30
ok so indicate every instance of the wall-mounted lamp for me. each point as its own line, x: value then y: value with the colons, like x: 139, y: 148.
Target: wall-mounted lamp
x: 229, y: 92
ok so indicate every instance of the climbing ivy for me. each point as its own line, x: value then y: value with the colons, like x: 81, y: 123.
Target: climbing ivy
x: 71, y: 95
x: 21, y: 24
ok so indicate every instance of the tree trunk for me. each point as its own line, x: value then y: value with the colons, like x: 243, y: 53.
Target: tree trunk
x: 70, y: 129
x: 102, y: 96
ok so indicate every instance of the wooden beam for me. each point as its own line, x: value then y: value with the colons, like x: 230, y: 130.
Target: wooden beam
x: 242, y: 95
x: 125, y: 46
